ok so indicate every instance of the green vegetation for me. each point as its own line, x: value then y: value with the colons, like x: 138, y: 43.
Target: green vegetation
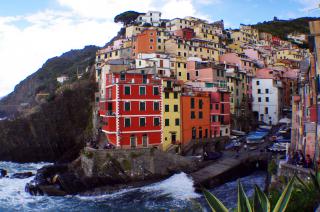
x: 272, y: 167
x: 304, y: 196
x: 127, y: 17
x: 281, y: 28
x: 45, y: 79
x: 87, y: 154
x: 260, y: 201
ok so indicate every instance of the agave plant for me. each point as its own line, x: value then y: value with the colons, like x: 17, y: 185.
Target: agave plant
x: 260, y: 200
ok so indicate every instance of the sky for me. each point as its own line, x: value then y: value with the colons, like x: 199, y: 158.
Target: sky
x: 32, y: 31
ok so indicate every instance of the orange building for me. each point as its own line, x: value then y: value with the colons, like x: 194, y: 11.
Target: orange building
x: 195, y: 115
x: 145, y: 42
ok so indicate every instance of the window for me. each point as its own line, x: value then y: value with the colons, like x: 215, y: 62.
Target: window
x: 151, y: 40
x: 175, y: 108
x: 217, y: 106
x: 175, y: 95
x: 179, y: 74
x: 259, y: 90
x: 200, y: 103
x: 259, y: 99
x: 127, y: 90
x: 267, y: 99
x: 156, y: 106
x: 227, y: 131
x: 193, y: 115
x: 127, y: 106
x: 267, y: 90
x: 145, y: 140
x: 127, y: 122
x: 142, y: 90
x: 166, y: 122
x: 192, y: 103
x: 266, y: 110
x: 166, y: 108
x: 200, y: 115
x: 133, y: 141
x: 159, y: 40
x: 156, y: 121
x: 177, y: 122
x: 122, y: 76
x: 197, y: 73
x: 151, y: 47
x: 142, y: 106
x: 166, y: 95
x: 194, y: 133
x: 142, y: 122
x: 155, y: 90
x: 185, y: 65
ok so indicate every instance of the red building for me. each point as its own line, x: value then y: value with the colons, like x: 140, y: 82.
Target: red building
x: 220, y: 113
x: 131, y: 110
x: 276, y: 41
x: 185, y: 33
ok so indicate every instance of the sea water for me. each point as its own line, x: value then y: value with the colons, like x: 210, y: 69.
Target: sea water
x: 175, y: 193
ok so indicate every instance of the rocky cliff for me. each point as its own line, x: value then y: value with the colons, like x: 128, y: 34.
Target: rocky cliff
x: 58, y: 129
x: 44, y: 80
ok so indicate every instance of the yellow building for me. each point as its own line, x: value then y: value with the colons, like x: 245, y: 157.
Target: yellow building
x: 134, y: 30
x: 289, y: 54
x: 178, y: 66
x: 178, y: 23
x: 236, y: 47
x: 171, y: 118
x: 195, y: 48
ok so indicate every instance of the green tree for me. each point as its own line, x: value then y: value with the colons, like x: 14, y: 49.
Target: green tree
x: 127, y: 17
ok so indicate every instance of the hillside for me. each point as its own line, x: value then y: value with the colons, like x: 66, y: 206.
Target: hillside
x: 281, y: 28
x: 45, y: 79
x: 58, y: 130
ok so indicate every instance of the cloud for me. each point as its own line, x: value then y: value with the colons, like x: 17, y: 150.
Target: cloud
x: 47, y: 34
x: 308, y: 5
x: 28, y: 40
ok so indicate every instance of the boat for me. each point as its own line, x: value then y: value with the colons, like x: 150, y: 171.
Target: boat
x: 266, y: 127
x: 237, y: 132
x: 256, y: 137
x: 212, y: 155
x: 282, y: 140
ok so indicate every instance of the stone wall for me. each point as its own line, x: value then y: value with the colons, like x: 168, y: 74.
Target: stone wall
x: 132, y: 165
x: 289, y: 170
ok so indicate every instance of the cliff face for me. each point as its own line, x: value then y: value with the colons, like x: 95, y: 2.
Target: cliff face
x: 57, y: 127
x: 57, y: 130
x: 45, y: 79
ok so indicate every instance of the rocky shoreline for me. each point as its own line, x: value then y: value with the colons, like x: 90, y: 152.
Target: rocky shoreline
x: 103, y: 171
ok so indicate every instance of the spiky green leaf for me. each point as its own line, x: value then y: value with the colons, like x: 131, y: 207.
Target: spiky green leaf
x: 303, y: 183
x: 260, y: 201
x: 285, y: 197
x: 243, y: 201
x: 215, y: 204
x: 315, y: 180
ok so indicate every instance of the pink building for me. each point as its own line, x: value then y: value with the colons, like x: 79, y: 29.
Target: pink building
x: 207, y: 72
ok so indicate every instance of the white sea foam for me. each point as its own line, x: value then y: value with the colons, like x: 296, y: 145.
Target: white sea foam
x: 178, y: 186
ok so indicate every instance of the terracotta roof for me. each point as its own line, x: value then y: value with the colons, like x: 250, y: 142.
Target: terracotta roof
x: 265, y: 73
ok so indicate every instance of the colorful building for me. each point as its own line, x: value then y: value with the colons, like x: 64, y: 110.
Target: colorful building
x: 171, y: 113
x: 195, y: 115
x: 131, y: 110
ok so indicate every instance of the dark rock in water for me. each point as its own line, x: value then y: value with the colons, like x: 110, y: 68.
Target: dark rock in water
x: 22, y: 175
x: 3, y: 173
